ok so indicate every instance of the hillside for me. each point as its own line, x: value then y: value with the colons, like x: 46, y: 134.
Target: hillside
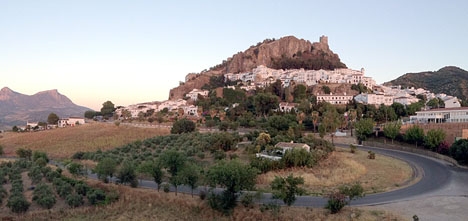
x: 17, y: 108
x: 285, y: 53
x: 449, y: 80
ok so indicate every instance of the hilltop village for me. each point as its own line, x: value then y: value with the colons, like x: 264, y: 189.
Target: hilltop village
x: 261, y: 77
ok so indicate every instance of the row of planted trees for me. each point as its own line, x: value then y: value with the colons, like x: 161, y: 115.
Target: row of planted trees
x: 46, y: 182
x: 433, y: 139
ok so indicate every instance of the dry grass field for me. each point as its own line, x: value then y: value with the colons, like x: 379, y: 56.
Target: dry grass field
x: 143, y: 204
x: 342, y: 167
x: 64, y: 142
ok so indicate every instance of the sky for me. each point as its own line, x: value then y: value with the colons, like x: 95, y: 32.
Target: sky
x: 135, y: 51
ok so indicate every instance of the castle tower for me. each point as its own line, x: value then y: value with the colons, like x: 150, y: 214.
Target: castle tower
x: 324, y: 40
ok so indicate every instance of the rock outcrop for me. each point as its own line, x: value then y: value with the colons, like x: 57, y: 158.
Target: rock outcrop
x: 285, y: 53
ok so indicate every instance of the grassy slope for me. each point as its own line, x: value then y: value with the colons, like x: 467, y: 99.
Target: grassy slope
x: 64, y: 142
x: 450, y: 80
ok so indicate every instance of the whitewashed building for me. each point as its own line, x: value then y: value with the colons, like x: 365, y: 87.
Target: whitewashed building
x: 334, y: 98
x: 374, y: 99
x: 441, y: 115
x: 71, y: 121
x: 193, y: 95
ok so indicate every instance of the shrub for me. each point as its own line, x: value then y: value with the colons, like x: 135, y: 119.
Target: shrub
x: 82, y: 188
x: 45, y: 199
x: 74, y: 200
x: 219, y: 155
x: 353, y: 148
x: 166, y: 188
x: 371, y: 155
x: 459, y: 150
x: 202, y: 194
x: 78, y: 155
x: 247, y: 200
x: 336, y: 202
x: 96, y: 196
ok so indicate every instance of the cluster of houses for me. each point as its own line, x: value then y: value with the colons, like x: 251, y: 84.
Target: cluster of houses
x: 179, y: 105
x: 263, y: 76
x: 63, y: 122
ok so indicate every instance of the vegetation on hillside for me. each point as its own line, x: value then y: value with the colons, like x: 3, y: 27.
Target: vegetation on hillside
x: 449, y: 80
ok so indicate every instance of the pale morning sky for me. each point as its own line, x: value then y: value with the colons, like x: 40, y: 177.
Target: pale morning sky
x: 135, y: 51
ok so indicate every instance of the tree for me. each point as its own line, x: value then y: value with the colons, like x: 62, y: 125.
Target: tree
x: 105, y: 168
x: 315, y: 119
x: 52, y: 118
x: 107, y: 109
x: 459, y: 151
x: 392, y: 129
x: 18, y: 203
x: 434, y: 138
x: 326, y: 89
x: 173, y: 161
x: 154, y: 169
x: 190, y: 175
x: 352, y: 115
x: 399, y: 110
x: 286, y: 188
x: 44, y: 196
x: 299, y: 92
x: 90, y: 114
x: 265, y: 103
x: 330, y: 121
x: 234, y: 177
x: 127, y: 174
x: 183, y: 126
x: 343, y: 197
x: 415, y: 135
x: 262, y: 141
x: 24, y: 153
x: 364, y: 128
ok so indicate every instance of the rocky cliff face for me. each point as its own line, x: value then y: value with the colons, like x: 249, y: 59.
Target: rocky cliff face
x: 285, y: 53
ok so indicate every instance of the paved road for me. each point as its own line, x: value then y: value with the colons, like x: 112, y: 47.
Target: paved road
x: 434, y: 175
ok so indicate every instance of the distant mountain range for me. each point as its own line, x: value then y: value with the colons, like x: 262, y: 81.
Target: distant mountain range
x: 449, y: 80
x: 17, y: 108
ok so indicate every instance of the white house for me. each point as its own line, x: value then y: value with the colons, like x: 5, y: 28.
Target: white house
x: 374, y: 99
x: 451, y: 102
x: 71, y: 121
x: 441, y: 115
x: 195, y: 92
x: 284, y: 146
x: 334, y: 98
x: 287, y: 107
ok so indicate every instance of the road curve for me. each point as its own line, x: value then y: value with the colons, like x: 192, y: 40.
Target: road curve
x: 434, y: 175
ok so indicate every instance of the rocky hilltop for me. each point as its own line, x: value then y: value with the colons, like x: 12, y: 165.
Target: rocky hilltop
x: 449, y: 80
x: 285, y: 53
x: 17, y: 108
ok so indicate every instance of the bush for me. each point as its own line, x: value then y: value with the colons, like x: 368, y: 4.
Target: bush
x: 247, y: 200
x: 74, y: 200
x: 219, y: 155
x: 202, y: 195
x: 44, y: 196
x: 18, y: 204
x: 78, y: 155
x: 166, y: 188
x: 183, y: 126
x: 353, y: 148
x: 371, y: 155
x: 459, y: 151
x: 336, y: 202
x: 96, y: 196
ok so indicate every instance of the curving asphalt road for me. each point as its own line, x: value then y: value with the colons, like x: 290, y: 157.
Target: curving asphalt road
x: 434, y: 175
